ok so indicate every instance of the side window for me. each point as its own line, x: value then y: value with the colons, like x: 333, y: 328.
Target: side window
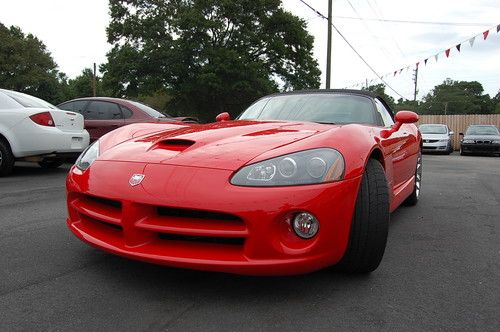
x: 127, y: 113
x: 74, y: 106
x: 384, y: 114
x: 102, y: 110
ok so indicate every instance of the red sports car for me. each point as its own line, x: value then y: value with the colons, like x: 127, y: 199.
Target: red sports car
x: 298, y: 182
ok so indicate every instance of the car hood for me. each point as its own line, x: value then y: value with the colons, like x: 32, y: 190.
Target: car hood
x: 435, y: 136
x: 483, y: 137
x: 224, y: 145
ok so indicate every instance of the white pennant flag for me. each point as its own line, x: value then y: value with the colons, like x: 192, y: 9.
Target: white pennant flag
x: 436, y: 57
x: 471, y: 41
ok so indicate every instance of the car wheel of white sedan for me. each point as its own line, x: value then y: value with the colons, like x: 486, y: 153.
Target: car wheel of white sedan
x: 6, y: 158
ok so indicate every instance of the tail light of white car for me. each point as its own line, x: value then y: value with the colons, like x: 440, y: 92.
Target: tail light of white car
x: 43, y: 119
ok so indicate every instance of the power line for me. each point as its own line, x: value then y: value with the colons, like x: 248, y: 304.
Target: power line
x: 352, y: 47
x: 465, y: 24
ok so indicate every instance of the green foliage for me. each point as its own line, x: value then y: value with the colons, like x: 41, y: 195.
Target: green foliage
x: 81, y: 86
x: 457, y: 97
x: 211, y: 55
x: 27, y: 66
x: 379, y: 89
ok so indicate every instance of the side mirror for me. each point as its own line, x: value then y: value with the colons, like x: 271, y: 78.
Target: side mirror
x: 401, y: 117
x: 452, y: 133
x: 406, y: 117
x: 223, y: 117
x: 460, y: 134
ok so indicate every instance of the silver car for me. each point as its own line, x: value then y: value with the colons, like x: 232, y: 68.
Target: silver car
x: 436, y: 138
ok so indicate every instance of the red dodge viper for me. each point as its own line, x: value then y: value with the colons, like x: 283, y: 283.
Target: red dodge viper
x: 298, y: 182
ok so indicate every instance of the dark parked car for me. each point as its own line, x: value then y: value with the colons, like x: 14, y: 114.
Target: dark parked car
x: 480, y: 139
x: 103, y: 114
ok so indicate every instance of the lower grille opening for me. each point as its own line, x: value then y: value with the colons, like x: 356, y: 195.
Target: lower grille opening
x: 105, y: 201
x: 237, y: 241
x: 196, y: 214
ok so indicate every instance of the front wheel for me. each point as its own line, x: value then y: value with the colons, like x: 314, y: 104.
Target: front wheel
x: 415, y: 195
x: 370, y: 224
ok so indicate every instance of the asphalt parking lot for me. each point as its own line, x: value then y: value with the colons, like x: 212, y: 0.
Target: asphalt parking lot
x: 441, y: 269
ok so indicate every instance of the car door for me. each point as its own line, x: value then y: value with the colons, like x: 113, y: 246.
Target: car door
x: 101, y: 117
x: 398, y: 148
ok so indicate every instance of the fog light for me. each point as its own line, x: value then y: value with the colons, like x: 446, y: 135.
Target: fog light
x: 305, y: 225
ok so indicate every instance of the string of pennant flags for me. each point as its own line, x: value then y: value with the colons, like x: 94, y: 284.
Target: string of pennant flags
x: 445, y: 52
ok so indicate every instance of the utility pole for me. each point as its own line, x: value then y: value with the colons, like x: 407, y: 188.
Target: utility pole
x: 445, y: 108
x: 329, y: 46
x: 415, y: 79
x: 94, y: 81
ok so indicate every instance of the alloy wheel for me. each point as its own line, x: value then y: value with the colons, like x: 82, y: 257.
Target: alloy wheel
x: 418, y: 176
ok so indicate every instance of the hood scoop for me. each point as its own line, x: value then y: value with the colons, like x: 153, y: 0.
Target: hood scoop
x: 173, y: 144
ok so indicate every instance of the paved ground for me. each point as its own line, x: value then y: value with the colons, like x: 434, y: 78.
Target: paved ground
x: 441, y: 270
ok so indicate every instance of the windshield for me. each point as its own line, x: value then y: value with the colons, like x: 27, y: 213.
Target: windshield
x: 28, y: 101
x: 433, y: 129
x: 150, y: 111
x: 482, y: 130
x: 314, y: 107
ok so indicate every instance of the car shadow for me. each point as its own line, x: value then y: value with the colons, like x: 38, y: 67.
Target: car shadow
x: 30, y: 169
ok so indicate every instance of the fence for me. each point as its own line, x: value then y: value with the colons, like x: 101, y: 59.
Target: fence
x: 459, y: 123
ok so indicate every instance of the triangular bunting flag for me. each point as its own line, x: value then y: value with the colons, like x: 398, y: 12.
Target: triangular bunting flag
x: 458, y: 47
x: 401, y: 70
x: 471, y: 41
x: 447, y: 52
x: 425, y: 61
x: 395, y: 73
x: 485, y: 34
x: 498, y: 28
x: 417, y: 64
x: 436, y: 57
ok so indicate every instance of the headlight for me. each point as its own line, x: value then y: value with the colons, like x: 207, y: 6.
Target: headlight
x: 88, y: 156
x: 444, y: 140
x: 305, y: 167
x: 468, y: 141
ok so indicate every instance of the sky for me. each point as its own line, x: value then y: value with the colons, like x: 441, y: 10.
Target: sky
x: 74, y: 32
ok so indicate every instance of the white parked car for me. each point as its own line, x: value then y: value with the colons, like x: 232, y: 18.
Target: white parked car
x: 436, y: 138
x: 31, y: 129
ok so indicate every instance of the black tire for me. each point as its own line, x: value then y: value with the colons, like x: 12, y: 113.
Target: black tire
x: 50, y: 164
x: 370, y: 223
x: 6, y: 158
x: 462, y: 153
x: 415, y: 195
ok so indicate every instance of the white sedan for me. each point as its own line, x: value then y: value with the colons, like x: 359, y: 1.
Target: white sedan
x: 33, y: 130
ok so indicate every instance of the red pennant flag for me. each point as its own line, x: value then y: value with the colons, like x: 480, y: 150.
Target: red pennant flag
x: 458, y: 47
x: 447, y: 52
x: 485, y: 34
x: 498, y: 28
x: 425, y: 61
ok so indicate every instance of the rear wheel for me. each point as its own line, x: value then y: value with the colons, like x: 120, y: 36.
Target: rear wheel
x: 6, y: 158
x: 415, y: 195
x: 49, y: 164
x: 370, y: 224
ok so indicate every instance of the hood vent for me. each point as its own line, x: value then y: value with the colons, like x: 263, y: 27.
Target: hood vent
x: 174, y: 144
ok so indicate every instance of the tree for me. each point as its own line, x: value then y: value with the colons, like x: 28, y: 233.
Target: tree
x: 211, y: 55
x: 379, y: 89
x: 27, y: 66
x: 81, y: 86
x: 457, y: 97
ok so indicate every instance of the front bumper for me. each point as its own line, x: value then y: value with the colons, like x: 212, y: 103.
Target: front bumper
x: 194, y: 218
x: 435, y: 146
x: 489, y: 148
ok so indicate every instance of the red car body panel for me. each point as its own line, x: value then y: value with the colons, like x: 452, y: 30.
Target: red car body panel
x: 186, y: 193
